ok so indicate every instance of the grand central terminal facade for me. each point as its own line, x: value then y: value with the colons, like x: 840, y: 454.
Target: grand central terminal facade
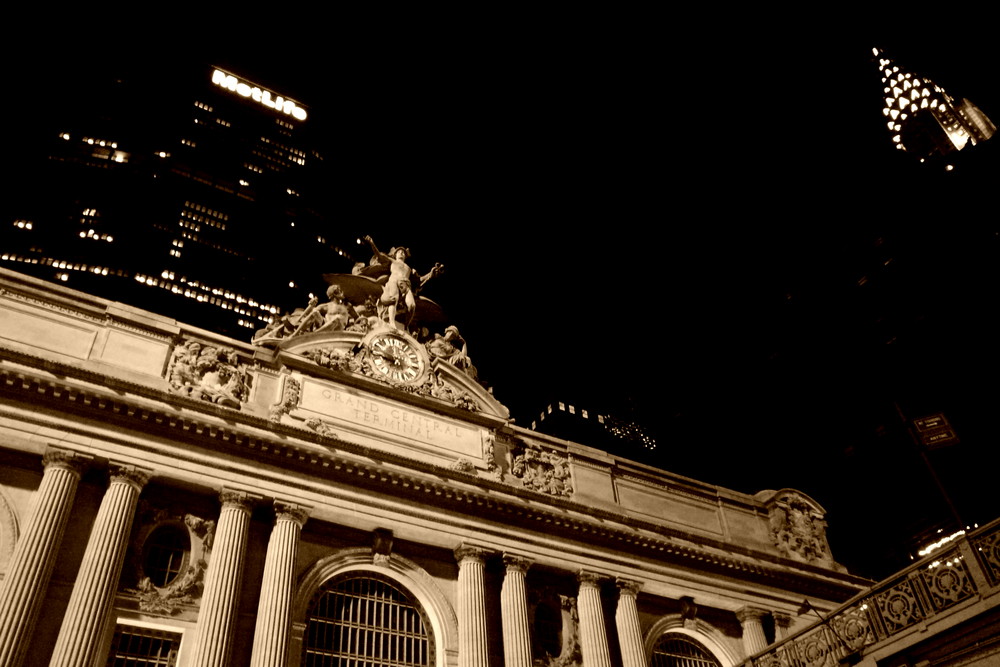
x: 351, y: 495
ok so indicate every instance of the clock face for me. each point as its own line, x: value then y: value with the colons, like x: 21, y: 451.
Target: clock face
x: 396, y: 359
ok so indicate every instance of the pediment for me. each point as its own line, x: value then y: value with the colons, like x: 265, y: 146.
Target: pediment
x: 394, y: 359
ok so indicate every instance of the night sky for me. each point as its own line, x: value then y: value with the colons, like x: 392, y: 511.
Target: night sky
x: 705, y: 230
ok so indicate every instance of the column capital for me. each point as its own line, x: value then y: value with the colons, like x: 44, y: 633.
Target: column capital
x: 628, y: 586
x: 781, y: 619
x: 469, y: 552
x: 241, y: 500
x: 515, y: 562
x: 129, y: 474
x: 589, y: 579
x: 748, y: 613
x: 67, y: 459
x: 285, y: 511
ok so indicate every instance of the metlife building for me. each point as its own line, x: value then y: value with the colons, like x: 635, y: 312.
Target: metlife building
x: 190, y: 190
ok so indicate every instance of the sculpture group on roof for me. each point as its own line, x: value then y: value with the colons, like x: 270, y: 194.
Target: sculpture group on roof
x: 385, y: 292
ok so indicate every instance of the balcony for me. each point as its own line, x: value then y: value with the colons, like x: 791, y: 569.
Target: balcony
x: 948, y: 602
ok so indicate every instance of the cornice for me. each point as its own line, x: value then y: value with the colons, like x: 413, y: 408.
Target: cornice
x: 219, y: 429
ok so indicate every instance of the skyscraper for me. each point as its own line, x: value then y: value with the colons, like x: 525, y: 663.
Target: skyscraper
x: 923, y: 119
x: 191, y: 190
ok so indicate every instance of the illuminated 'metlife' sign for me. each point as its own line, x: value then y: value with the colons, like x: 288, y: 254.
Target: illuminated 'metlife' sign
x: 259, y: 95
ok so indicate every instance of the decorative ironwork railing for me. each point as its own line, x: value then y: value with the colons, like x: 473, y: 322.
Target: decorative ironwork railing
x: 968, y: 568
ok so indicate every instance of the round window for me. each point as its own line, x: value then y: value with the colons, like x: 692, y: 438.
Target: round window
x: 164, y: 555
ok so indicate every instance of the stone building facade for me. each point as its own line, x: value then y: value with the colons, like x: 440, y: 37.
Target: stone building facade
x: 185, y: 499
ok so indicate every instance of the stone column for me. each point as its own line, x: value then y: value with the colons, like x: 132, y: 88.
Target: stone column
x: 94, y: 590
x: 753, y: 632
x: 472, y: 645
x: 30, y: 566
x: 270, y: 638
x: 514, y: 613
x: 220, y: 598
x: 593, y: 637
x: 627, y: 622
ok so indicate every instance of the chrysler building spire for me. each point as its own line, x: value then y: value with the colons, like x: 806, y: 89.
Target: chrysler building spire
x: 922, y: 118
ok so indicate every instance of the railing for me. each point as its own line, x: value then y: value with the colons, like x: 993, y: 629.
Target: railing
x: 969, y: 568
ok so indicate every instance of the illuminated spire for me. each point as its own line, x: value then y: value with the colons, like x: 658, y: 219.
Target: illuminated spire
x: 922, y: 118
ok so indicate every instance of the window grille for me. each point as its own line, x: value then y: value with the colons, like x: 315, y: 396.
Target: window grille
x: 673, y: 650
x: 143, y: 647
x: 366, y: 621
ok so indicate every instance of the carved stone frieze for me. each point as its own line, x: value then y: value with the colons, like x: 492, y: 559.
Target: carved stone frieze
x: 541, y: 470
x: 207, y: 372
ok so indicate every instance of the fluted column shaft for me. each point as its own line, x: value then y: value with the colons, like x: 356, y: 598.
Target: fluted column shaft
x: 270, y: 638
x: 753, y: 630
x: 593, y: 636
x: 472, y: 645
x: 782, y: 623
x: 220, y: 599
x: 30, y: 566
x: 514, y: 613
x: 627, y: 622
x: 93, y: 593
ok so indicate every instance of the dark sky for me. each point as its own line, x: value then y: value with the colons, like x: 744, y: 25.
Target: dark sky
x: 670, y: 222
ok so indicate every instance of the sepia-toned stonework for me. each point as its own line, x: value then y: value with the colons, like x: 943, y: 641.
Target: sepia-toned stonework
x: 199, y: 458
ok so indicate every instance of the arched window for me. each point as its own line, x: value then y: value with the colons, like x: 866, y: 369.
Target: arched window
x: 677, y: 650
x: 364, y: 615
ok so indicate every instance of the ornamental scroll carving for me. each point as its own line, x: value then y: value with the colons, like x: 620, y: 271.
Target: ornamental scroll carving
x: 208, y: 373
x: 798, y: 528
x: 541, y: 470
x: 291, y: 391
x: 186, y: 588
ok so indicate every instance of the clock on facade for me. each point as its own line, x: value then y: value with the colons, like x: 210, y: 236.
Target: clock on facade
x: 396, y: 357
